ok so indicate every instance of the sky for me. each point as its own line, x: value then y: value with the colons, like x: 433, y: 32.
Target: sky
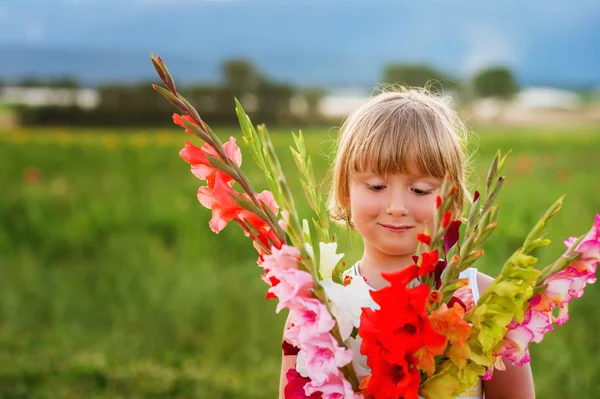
x: 312, y: 41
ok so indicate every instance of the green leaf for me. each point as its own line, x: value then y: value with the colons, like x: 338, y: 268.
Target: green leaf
x: 248, y: 205
x: 492, y: 172
x: 308, y: 193
x: 310, y: 173
x: 170, y: 97
x: 197, y: 130
x: 299, y: 161
x: 219, y: 164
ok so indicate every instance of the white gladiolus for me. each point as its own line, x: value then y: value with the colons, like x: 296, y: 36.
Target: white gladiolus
x: 328, y: 259
x: 346, y: 302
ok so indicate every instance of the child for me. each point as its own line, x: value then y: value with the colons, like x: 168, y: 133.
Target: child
x: 393, y: 154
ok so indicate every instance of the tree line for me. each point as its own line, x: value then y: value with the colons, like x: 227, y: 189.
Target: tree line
x: 265, y: 100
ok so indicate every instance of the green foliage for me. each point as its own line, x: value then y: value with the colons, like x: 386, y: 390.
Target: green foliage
x: 495, y: 82
x: 113, y: 285
x: 241, y: 76
x: 138, y: 105
x: 417, y: 76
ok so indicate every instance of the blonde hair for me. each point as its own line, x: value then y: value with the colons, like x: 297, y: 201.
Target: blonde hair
x: 394, y: 130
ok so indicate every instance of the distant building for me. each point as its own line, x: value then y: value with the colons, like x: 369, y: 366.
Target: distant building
x: 340, y: 103
x: 46, y: 96
x: 546, y: 98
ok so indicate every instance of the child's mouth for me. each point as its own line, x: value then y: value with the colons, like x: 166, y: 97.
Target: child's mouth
x: 396, y: 229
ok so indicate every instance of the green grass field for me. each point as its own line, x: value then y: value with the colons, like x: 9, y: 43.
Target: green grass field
x: 113, y: 286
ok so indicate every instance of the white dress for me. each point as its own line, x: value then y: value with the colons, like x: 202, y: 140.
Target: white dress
x: 359, y: 361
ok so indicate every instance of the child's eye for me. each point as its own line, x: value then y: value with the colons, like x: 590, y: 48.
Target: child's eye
x: 377, y: 187
x: 421, y: 192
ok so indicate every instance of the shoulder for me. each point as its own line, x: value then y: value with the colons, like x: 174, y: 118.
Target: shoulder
x: 483, y: 281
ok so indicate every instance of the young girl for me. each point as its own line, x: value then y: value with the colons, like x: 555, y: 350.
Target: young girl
x: 393, y: 154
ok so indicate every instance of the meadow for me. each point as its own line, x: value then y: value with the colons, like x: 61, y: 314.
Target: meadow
x: 113, y: 286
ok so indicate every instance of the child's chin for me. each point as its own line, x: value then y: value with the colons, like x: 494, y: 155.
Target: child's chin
x: 395, y: 250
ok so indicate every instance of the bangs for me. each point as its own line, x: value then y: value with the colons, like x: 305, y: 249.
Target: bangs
x: 398, y: 149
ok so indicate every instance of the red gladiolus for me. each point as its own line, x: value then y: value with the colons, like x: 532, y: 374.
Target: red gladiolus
x: 258, y: 223
x: 347, y: 280
x: 289, y: 349
x: 217, y: 194
x: 424, y: 238
x: 452, y: 235
x: 219, y: 199
x: 428, y: 262
x: 295, y: 386
x: 447, y: 219
x: 438, y: 202
x: 394, y: 334
x: 201, y: 168
x: 178, y: 120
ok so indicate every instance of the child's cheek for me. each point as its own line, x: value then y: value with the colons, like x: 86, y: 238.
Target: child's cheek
x: 425, y: 212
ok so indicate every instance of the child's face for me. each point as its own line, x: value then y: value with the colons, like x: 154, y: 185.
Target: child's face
x: 389, y: 211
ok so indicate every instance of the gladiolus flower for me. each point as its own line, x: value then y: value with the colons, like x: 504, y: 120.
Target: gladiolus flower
x: 446, y: 219
x: 424, y: 238
x: 178, y: 120
x: 394, y: 335
x: 561, y: 288
x: 295, y: 386
x: 428, y: 262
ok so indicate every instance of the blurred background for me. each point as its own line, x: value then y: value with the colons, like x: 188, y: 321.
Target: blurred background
x: 112, y: 284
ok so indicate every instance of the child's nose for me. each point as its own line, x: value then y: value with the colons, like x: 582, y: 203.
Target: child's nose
x: 397, y: 206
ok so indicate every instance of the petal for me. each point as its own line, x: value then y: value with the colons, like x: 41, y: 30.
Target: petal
x: 220, y: 217
x: 589, y: 250
x: 517, y: 341
x: 222, y: 192
x: 204, y: 172
x: 205, y: 197
x: 563, y: 314
x: 329, y: 258
x: 233, y: 152
x: 267, y: 197
x: 539, y: 324
x: 192, y: 154
x: 177, y: 120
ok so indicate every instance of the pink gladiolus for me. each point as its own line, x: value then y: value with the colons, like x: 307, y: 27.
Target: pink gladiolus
x: 310, y: 328
x: 561, y: 288
x: 292, y: 284
x: 285, y: 258
x: 590, y: 246
x: 323, y: 357
x: 535, y: 325
x: 337, y: 387
x: 310, y: 318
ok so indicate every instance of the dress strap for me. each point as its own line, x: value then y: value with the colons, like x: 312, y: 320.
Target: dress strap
x: 473, y: 283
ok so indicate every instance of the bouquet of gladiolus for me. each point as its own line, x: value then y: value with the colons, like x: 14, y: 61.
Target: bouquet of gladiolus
x: 419, y: 334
